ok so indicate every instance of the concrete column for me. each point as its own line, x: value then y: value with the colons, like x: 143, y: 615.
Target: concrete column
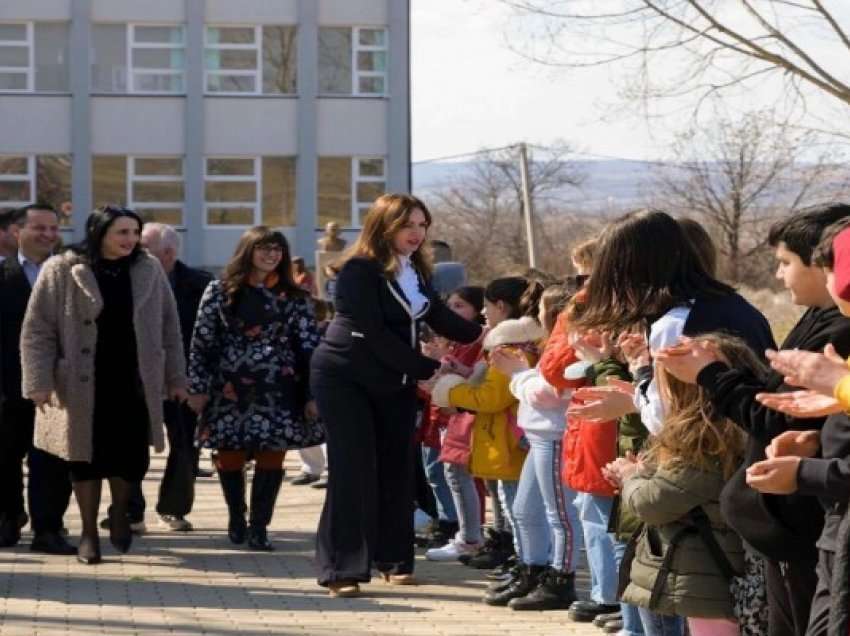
x: 80, y: 84
x: 398, y: 120
x: 193, y: 215
x: 306, y: 170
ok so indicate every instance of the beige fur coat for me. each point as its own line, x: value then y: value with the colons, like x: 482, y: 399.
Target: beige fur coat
x: 58, y: 349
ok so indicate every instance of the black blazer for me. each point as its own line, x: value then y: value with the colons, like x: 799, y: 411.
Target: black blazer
x: 189, y: 285
x: 14, y: 294
x: 374, y: 336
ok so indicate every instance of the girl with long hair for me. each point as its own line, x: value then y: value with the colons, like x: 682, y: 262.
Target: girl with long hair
x: 248, y: 377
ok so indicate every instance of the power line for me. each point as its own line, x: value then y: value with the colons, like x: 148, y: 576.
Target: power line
x: 474, y: 153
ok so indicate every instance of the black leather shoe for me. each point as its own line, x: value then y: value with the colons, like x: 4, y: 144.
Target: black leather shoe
x: 586, y: 611
x: 89, y: 551
x: 51, y: 543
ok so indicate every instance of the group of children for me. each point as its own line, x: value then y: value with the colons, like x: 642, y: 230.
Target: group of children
x: 639, y: 410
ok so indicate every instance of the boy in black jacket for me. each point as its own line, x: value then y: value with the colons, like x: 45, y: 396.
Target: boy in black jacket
x: 783, y: 529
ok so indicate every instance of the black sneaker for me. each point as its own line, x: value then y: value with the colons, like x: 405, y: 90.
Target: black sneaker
x: 586, y: 611
x: 600, y: 620
x: 529, y: 576
x: 555, y: 591
x: 494, y: 554
x: 503, y: 571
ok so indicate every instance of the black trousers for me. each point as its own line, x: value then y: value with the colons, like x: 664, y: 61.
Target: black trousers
x: 368, y: 513
x: 790, y: 589
x: 49, y: 487
x: 177, y: 488
x: 822, y: 602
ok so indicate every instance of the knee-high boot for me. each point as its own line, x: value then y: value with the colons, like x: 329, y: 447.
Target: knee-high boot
x: 264, y: 489
x: 233, y: 487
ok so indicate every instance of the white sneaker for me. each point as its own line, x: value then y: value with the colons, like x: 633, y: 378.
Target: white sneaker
x: 178, y: 524
x: 451, y: 551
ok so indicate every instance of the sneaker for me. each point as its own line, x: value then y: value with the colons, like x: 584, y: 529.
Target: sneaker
x: 172, y: 522
x: 451, y: 551
x: 305, y: 479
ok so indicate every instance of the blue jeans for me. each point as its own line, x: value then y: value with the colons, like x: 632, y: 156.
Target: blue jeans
x: 467, y: 503
x: 632, y: 624
x: 658, y: 625
x: 594, y: 512
x: 437, y: 480
x: 507, y: 495
x: 546, y: 518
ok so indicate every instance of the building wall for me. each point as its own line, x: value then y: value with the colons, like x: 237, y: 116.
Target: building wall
x: 193, y: 125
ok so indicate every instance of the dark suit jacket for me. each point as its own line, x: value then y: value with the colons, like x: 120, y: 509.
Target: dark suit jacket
x: 189, y: 285
x: 14, y: 294
x: 374, y: 336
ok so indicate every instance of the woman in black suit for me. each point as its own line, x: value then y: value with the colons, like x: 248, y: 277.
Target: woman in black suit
x: 364, y: 377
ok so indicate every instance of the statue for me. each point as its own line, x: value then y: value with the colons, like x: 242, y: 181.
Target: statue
x: 331, y: 242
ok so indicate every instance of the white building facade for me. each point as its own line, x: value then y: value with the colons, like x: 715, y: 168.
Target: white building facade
x: 210, y: 115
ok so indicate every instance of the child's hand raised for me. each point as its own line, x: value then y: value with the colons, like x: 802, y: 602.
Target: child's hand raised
x: 601, y: 404
x: 635, y: 350
x: 776, y: 476
x: 801, y: 404
x: 794, y: 443
x: 819, y: 372
x: 685, y: 360
x: 591, y: 346
x: 509, y: 361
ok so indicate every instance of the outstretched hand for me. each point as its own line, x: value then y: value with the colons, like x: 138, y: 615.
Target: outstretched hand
x: 801, y: 404
x: 685, y: 360
x: 602, y: 403
x: 816, y: 371
x: 794, y: 444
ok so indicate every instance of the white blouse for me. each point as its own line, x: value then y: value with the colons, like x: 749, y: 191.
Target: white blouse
x: 408, y: 280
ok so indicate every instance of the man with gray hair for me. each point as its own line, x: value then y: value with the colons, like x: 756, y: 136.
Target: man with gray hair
x: 177, y: 490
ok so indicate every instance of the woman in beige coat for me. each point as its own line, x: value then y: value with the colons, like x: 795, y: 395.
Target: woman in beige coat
x: 100, y: 347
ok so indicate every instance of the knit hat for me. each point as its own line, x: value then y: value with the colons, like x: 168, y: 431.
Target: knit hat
x: 841, y: 263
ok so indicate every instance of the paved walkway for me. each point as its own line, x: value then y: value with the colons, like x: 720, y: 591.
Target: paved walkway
x: 197, y: 583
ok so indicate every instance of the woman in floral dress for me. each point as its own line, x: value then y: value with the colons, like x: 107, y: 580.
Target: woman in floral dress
x: 248, y: 377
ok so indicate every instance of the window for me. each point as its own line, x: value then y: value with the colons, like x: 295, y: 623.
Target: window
x: 34, y: 57
x: 135, y: 58
x: 353, y: 61
x: 231, y: 188
x: 47, y: 178
x: 250, y: 60
x: 152, y: 186
x: 279, y: 192
x: 348, y: 187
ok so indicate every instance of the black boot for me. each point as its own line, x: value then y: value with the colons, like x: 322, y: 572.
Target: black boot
x: 493, y: 555
x: 556, y: 590
x: 503, y: 571
x: 497, y: 585
x: 120, y: 533
x: 529, y: 575
x: 233, y: 487
x: 264, y: 490
x: 491, y: 542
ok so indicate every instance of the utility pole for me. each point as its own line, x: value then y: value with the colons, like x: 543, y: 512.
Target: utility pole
x: 527, y: 207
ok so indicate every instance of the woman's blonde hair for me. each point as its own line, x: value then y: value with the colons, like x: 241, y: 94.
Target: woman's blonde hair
x: 694, y: 434
x: 385, y: 218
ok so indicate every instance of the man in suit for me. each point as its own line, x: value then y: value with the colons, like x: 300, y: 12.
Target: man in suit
x: 8, y: 243
x: 177, y: 490
x: 36, y: 229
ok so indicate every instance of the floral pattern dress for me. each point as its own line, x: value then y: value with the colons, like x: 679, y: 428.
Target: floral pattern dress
x: 253, y: 361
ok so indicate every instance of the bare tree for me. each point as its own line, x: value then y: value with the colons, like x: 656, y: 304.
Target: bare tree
x: 479, y: 211
x: 736, y: 177
x: 676, y: 48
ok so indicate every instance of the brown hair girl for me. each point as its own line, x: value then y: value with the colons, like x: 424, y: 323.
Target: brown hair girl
x: 238, y: 270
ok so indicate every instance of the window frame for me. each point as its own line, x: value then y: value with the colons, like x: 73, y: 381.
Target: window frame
x: 29, y: 71
x: 133, y: 178
x: 30, y: 177
x: 257, y: 47
x: 256, y: 178
x: 356, y: 48
x: 132, y: 45
x: 358, y: 210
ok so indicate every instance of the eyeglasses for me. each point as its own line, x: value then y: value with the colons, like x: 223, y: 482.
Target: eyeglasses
x: 270, y: 249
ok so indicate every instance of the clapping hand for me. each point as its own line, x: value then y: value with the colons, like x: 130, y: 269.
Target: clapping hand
x: 604, y: 403
x: 685, y: 360
x: 591, y: 346
x: 794, y: 444
x: 509, y: 361
x: 621, y: 469
x: 801, y: 404
x: 819, y: 372
x: 635, y: 350
x: 775, y: 476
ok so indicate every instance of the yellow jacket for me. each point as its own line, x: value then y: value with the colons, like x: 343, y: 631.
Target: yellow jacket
x: 495, y: 452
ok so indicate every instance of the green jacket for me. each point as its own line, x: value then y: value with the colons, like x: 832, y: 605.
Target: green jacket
x: 695, y: 585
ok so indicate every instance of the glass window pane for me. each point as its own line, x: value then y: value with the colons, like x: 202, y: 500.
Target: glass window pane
x: 51, y: 56
x: 159, y: 34
x: 13, y: 82
x: 278, y: 191
x: 231, y: 192
x: 335, y: 61
x: 14, y: 165
x: 109, y: 181
x: 230, y: 167
x: 230, y: 216
x: 371, y: 167
x: 223, y: 59
x: 371, y: 85
x: 372, y: 61
x: 230, y: 35
x: 15, y: 191
x: 151, y: 167
x: 157, y: 192
x: 169, y: 216
x: 334, y: 202
x: 373, y: 37
x: 17, y: 56
x: 157, y: 83
x: 279, y: 60
x: 369, y: 191
x: 158, y: 58
x: 109, y: 58
x: 231, y: 83
x: 13, y: 32
x: 53, y: 183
